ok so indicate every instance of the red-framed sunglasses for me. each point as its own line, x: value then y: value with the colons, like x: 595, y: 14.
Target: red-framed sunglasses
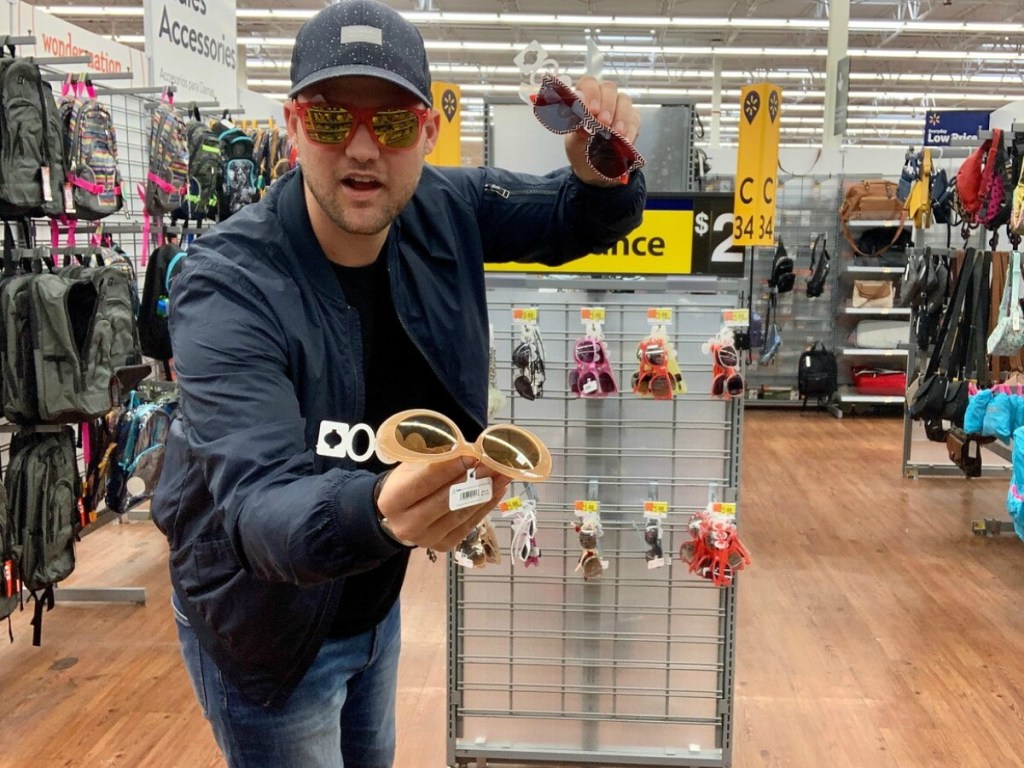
x: 560, y: 110
x: 334, y: 124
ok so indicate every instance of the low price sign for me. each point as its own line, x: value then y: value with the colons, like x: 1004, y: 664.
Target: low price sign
x: 757, y: 166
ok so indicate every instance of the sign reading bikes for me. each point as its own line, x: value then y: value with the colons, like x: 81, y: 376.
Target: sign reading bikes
x: 687, y: 234
x: 757, y: 166
x: 192, y: 46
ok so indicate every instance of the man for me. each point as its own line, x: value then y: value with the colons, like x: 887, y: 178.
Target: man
x: 352, y: 291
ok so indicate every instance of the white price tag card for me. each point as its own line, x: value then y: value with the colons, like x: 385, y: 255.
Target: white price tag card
x: 471, y: 492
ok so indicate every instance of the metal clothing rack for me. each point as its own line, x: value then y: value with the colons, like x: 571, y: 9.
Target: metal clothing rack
x: 634, y: 667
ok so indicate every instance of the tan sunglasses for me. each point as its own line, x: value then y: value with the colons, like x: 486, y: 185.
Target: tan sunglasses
x: 428, y: 436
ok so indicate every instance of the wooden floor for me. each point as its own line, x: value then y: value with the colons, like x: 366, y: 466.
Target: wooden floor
x: 874, y: 630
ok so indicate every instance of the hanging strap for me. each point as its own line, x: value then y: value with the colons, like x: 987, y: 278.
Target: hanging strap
x: 942, y: 351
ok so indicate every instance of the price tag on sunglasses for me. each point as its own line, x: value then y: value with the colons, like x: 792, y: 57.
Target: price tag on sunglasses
x: 724, y: 508
x: 656, y: 508
x: 659, y: 315
x: 587, y: 507
x: 736, y: 318
x: 473, y: 491
x: 510, y: 507
x: 527, y: 315
x: 592, y: 314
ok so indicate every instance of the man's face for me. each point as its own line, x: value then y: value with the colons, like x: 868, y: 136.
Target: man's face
x: 360, y: 186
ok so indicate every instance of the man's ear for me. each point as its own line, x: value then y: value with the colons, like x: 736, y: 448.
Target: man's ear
x: 431, y: 131
x: 291, y: 120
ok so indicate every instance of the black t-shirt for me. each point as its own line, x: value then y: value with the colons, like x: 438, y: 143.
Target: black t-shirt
x: 396, y: 377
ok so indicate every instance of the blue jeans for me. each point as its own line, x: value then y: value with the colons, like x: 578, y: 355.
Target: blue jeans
x: 341, y: 714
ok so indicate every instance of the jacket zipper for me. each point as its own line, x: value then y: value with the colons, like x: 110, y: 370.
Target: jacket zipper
x: 494, y: 188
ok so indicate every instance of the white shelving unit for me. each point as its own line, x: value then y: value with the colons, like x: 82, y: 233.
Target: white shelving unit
x: 846, y: 316
x: 876, y: 311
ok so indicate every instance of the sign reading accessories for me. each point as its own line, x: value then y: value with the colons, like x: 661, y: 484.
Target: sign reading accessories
x: 940, y: 128
x: 192, y: 47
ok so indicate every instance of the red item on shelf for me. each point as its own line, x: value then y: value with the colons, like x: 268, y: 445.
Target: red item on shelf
x: 872, y: 380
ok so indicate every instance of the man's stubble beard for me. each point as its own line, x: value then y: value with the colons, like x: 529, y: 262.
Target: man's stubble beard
x: 336, y: 213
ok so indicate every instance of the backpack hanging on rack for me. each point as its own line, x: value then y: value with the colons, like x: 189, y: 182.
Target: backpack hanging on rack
x: 239, y: 184
x: 205, y: 172
x: 32, y: 172
x: 154, y: 333
x: 91, y: 152
x: 43, y: 489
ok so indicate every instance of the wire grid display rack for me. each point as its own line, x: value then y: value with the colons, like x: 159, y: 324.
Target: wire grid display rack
x: 807, y: 206
x: 634, y: 667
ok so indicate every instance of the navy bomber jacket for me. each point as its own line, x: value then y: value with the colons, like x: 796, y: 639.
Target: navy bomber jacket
x: 262, y: 530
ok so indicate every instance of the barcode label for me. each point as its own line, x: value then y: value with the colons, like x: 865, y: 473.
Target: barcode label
x: 470, y: 493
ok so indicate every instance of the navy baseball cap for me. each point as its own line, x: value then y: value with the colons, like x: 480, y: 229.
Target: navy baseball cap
x: 361, y: 37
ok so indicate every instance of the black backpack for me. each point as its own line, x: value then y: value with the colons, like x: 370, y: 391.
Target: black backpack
x: 820, y: 264
x: 782, y: 277
x: 205, y: 172
x: 153, y: 309
x: 817, y: 377
x: 43, y: 489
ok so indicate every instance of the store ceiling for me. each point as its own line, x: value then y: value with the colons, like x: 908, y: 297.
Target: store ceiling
x: 907, y: 56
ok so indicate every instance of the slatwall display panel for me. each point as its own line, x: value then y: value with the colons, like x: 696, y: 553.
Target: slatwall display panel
x: 807, y: 206
x: 634, y: 667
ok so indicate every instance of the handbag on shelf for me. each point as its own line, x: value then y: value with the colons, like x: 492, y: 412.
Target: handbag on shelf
x: 872, y: 380
x: 874, y: 199
x: 964, y: 451
x: 875, y: 294
x: 1007, y: 338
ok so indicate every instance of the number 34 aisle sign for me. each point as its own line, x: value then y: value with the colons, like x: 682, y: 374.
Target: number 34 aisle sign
x: 757, y: 165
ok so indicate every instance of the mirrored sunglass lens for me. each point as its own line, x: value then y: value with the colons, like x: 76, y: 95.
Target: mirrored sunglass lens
x: 510, y: 448
x: 328, y: 125
x: 396, y: 128
x: 426, y: 434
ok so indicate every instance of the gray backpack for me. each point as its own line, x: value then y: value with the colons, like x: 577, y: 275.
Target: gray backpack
x: 43, y: 487
x: 10, y: 584
x: 32, y: 173
x: 66, y: 335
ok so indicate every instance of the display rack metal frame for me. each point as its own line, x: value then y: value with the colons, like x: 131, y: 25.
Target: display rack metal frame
x: 635, y: 667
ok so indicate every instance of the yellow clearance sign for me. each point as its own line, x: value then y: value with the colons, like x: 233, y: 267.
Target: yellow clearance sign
x: 757, y: 165
x: 662, y: 244
x: 447, y: 101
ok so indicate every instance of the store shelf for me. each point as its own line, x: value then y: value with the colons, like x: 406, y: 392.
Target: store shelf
x: 857, y: 270
x: 877, y: 223
x: 893, y: 311
x: 850, y: 395
x: 858, y: 352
